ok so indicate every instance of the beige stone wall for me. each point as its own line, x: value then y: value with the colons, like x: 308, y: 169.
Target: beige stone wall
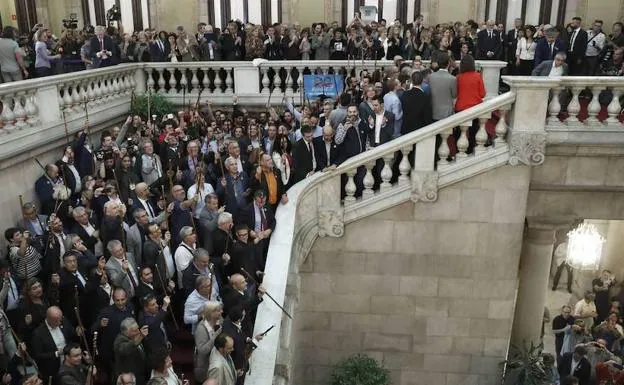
x: 428, y: 289
x: 7, y: 9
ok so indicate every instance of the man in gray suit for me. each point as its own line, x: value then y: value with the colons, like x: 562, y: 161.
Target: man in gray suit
x: 137, y: 234
x: 552, y: 68
x: 221, y: 365
x: 443, y: 88
x: 121, y: 269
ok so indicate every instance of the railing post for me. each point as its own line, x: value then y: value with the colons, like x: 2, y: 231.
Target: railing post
x: 48, y: 96
x: 527, y: 126
x: 490, y: 70
x: 424, y: 178
x: 247, y: 80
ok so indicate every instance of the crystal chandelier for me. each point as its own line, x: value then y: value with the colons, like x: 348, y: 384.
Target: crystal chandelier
x: 584, y: 247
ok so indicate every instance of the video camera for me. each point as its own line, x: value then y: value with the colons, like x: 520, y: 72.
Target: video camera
x: 113, y: 14
x: 133, y: 146
x: 104, y: 154
x: 71, y: 22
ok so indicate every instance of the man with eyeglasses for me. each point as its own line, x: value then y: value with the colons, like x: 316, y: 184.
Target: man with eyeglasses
x: 552, y: 68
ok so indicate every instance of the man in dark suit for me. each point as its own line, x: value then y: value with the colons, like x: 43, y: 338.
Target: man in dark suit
x: 417, y: 109
x: 71, y: 288
x: 489, y: 44
x: 575, y: 364
x: 200, y: 266
x: 146, y: 285
x: 259, y: 218
x: 159, y: 50
x: 269, y: 179
x: 232, y: 326
x: 102, y: 48
x: 380, y: 124
x: 304, y: 158
x: 548, y: 47
x: 129, y: 351
x: 238, y: 295
x: 233, y: 190
x: 156, y: 254
x: 154, y: 318
x: 85, y: 229
x: 48, y: 342
x: 326, y: 149
x: 577, y: 46
x: 69, y: 172
x: 44, y: 187
x: 83, y: 155
x: 511, y: 44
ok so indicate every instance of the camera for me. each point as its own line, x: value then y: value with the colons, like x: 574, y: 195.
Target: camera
x: 71, y: 22
x: 113, y: 14
x: 133, y: 146
x: 104, y: 154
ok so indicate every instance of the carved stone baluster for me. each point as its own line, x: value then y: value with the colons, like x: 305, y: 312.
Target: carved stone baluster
x: 99, y: 91
x: 386, y: 173
x: 150, y: 79
x: 18, y: 111
x: 462, y: 142
x: 289, y: 84
x: 83, y: 92
x: 195, y: 80
x: 217, y: 81
x: 369, y: 181
x: 31, y: 109
x: 350, y: 187
x: 482, y: 136
x: 76, y: 101
x: 91, y: 92
x: 8, y: 117
x: 574, y: 107
x: 444, y: 151
x: 229, y: 82
x: 554, y: 107
x: 501, y: 127
x: 60, y: 91
x: 405, y: 167
x: 107, y: 89
x: 300, y: 83
x: 265, y: 81
x: 614, y: 109
x: 116, y: 86
x: 593, y: 108
x: 277, y: 82
x: 162, y: 83
x: 67, y: 99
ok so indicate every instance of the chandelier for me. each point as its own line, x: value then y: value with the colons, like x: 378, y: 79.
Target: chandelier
x: 584, y: 247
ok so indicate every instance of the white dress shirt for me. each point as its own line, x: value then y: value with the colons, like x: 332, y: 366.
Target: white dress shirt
x: 555, y: 71
x: 89, y: 228
x: 201, y: 195
x: 378, y: 122
x: 183, y: 257
x: 594, y: 50
x: 59, y: 339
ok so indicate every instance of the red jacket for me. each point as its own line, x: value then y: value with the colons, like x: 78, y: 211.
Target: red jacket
x: 470, y: 90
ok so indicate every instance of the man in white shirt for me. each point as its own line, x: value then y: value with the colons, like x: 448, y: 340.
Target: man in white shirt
x: 196, y: 301
x: 595, y: 43
x: 585, y: 309
x: 184, y: 252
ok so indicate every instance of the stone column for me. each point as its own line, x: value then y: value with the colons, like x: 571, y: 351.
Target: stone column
x: 537, y: 249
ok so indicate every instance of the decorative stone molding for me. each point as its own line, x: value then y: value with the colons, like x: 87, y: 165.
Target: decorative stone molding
x: 527, y: 148
x: 331, y: 223
x: 282, y: 370
x: 424, y: 186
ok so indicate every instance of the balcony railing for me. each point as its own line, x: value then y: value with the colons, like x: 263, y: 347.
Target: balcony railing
x: 34, y: 112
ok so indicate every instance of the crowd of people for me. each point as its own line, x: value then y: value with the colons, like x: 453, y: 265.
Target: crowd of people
x: 589, y: 51
x: 165, y: 223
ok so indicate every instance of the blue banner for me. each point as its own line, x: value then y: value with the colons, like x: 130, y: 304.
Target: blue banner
x: 317, y: 85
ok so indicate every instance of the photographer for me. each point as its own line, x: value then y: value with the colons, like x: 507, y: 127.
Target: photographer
x: 126, y: 178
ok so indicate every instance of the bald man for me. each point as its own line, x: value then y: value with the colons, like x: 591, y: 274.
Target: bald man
x: 144, y: 201
x: 44, y: 187
x: 237, y: 294
x: 326, y: 150
x: 489, y: 43
x: 48, y: 341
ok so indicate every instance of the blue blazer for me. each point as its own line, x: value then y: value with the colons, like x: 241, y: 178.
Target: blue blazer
x: 542, y: 51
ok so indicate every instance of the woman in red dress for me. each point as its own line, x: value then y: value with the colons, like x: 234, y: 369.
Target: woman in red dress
x: 470, y: 92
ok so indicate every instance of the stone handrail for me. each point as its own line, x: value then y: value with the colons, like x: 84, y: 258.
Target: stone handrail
x: 315, y: 209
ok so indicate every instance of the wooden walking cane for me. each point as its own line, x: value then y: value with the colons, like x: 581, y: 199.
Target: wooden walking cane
x: 162, y: 282
x: 253, y: 280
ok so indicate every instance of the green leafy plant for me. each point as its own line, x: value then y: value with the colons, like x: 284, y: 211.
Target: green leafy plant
x: 359, y: 370
x: 524, y: 366
x: 159, y: 106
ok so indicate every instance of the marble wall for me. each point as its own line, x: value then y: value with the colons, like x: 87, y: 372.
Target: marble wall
x: 428, y: 289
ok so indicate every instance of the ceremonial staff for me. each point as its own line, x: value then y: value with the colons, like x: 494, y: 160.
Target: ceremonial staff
x: 79, y: 319
x: 162, y: 282
x: 252, y: 279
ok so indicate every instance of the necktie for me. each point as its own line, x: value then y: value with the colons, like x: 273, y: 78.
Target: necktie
x: 264, y: 224
x: 490, y: 33
x: 572, y: 40
x: 132, y: 280
x: 311, y: 149
x: 80, y: 278
x: 160, y: 45
x: 150, y: 210
x: 101, y: 45
x: 551, y: 50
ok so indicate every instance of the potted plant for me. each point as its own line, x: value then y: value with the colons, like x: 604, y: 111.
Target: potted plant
x: 359, y: 370
x: 524, y: 366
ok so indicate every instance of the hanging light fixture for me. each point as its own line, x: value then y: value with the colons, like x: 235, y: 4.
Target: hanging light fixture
x: 584, y: 247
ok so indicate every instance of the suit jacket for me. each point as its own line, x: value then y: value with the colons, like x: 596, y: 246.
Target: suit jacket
x: 44, y: 348
x: 67, y: 175
x: 443, y: 88
x: 156, y: 338
x: 321, y: 153
x: 222, y: 369
x: 233, y: 203
x: 118, y: 277
x: 353, y: 141
x: 135, y: 239
x: 129, y: 358
x: 486, y: 44
x: 160, y: 215
x: 544, y: 69
x: 580, y: 44
x: 582, y: 371
x: 248, y: 217
x: 302, y: 160
x: 417, y: 110
x: 157, y: 54
x: 240, y: 342
x: 542, y: 50
x: 83, y: 157
x: 511, y: 43
x: 262, y: 184
x: 44, y: 189
x: 89, y: 240
x: 71, y: 288
x: 109, y: 45
x: 386, y: 131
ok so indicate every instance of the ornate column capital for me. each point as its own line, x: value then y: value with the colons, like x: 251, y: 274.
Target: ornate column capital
x: 424, y: 186
x: 527, y: 147
x: 331, y: 223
